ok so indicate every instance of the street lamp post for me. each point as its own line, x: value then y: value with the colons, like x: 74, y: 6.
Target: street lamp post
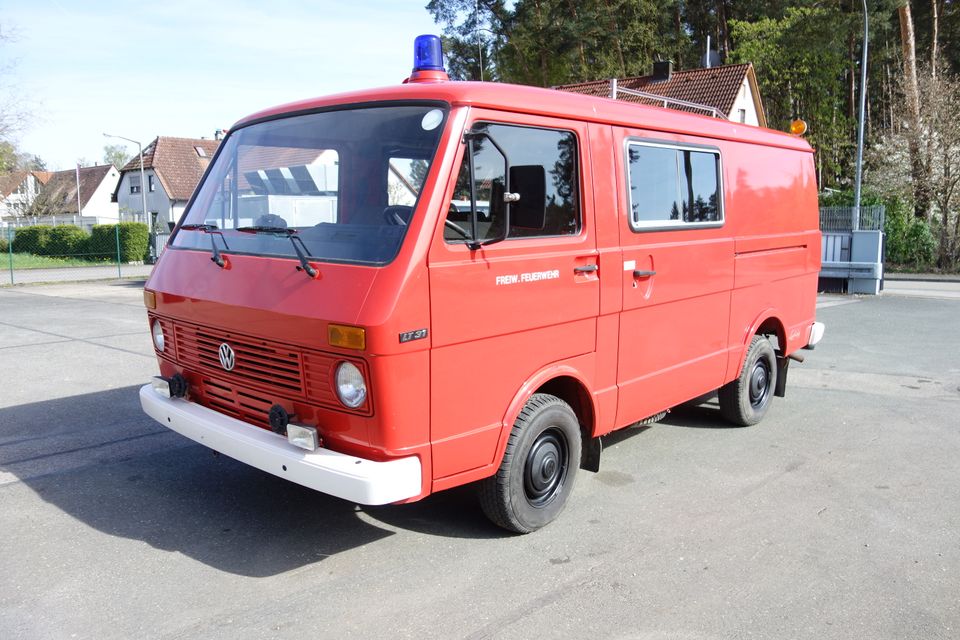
x: 143, y: 184
x: 863, y: 102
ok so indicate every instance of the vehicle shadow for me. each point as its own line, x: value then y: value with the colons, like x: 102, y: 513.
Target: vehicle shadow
x: 100, y: 460
x: 699, y: 413
x: 454, y: 513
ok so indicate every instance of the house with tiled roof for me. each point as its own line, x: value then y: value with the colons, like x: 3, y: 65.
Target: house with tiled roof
x: 96, y: 185
x: 18, y: 190
x: 172, y: 168
x: 730, y: 89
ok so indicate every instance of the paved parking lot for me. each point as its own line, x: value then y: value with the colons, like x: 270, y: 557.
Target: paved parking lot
x: 837, y: 517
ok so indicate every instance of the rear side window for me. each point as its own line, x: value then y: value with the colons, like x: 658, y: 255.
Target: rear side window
x: 544, y: 176
x: 673, y: 186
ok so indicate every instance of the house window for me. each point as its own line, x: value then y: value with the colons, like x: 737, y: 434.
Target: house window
x: 151, y: 187
x: 201, y: 152
x: 743, y: 115
x: 134, y: 184
x: 673, y: 187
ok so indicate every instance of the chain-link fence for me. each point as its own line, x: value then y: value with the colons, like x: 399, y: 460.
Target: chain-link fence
x: 48, y: 253
x: 841, y: 218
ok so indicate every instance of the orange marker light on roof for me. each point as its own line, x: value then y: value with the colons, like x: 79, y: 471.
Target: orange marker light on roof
x: 798, y: 127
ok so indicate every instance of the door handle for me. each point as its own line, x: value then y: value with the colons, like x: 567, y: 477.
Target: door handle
x: 643, y: 274
x: 587, y: 268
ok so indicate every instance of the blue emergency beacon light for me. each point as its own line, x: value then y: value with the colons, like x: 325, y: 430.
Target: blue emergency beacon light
x: 428, y: 60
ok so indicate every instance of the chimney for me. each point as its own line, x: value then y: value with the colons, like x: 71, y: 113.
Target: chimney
x: 662, y: 70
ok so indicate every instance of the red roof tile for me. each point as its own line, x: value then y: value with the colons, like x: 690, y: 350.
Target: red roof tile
x: 12, y: 181
x: 176, y: 162
x: 714, y: 87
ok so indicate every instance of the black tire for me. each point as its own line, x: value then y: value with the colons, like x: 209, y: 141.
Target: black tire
x: 538, y: 469
x: 745, y: 401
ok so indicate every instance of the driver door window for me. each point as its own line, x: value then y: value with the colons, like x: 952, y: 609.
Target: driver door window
x: 553, y: 152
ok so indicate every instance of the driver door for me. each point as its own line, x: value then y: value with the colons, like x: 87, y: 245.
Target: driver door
x: 503, y: 311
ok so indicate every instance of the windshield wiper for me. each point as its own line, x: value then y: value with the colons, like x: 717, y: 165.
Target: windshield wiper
x: 294, y: 239
x: 211, y: 229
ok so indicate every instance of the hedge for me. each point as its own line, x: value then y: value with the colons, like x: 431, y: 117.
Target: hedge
x: 65, y: 241
x: 134, y: 241
x: 31, y: 239
x: 69, y: 240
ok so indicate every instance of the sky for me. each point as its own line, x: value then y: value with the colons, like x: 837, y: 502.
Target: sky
x: 179, y: 68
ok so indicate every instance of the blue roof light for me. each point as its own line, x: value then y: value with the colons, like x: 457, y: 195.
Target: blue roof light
x: 427, y: 53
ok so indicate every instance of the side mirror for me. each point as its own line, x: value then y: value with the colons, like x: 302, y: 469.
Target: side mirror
x: 529, y: 182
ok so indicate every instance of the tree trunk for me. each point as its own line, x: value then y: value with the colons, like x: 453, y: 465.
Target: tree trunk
x: 934, y: 36
x: 852, y: 80
x: 723, y: 29
x: 582, y: 76
x: 617, y: 40
x: 679, y: 32
x: 921, y: 204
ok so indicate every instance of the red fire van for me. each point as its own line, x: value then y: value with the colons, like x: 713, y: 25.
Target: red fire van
x: 388, y: 293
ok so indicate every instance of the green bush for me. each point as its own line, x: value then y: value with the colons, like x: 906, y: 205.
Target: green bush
x: 32, y: 239
x: 4, y: 243
x: 134, y: 241
x: 909, y: 240
x: 66, y: 240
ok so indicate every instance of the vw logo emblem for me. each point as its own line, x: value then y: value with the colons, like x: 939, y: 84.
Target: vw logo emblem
x: 227, y: 357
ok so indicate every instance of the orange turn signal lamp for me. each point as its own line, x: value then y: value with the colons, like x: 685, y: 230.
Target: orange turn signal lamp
x: 798, y: 127
x: 149, y: 299
x: 341, y: 335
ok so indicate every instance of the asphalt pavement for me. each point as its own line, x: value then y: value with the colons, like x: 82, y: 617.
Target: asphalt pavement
x: 837, y: 517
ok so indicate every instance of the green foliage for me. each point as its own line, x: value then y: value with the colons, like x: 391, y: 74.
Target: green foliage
x: 66, y: 240
x: 909, y: 241
x: 798, y: 60
x: 44, y: 240
x: 549, y: 42
x: 116, y: 154
x: 134, y: 241
x: 4, y: 243
x: 31, y: 261
x: 32, y: 239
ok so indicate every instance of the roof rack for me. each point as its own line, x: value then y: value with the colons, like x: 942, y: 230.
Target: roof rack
x: 616, y: 90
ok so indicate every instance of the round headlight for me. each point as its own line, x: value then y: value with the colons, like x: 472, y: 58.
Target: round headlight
x: 157, y: 332
x: 351, y: 387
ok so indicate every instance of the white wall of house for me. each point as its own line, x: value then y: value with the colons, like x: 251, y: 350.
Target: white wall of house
x: 744, y: 110
x: 19, y: 201
x: 131, y: 204
x: 99, y: 205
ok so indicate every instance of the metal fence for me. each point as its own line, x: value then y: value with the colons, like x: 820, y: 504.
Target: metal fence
x: 841, y: 218
x: 66, y: 253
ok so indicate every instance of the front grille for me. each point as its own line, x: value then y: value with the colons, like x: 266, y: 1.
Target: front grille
x: 265, y: 372
x: 235, y: 402
x: 258, y: 362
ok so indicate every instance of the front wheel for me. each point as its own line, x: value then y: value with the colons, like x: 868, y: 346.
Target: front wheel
x: 539, y: 465
x: 745, y: 401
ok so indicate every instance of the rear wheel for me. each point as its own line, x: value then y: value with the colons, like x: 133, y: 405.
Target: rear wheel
x: 745, y: 401
x: 536, y: 475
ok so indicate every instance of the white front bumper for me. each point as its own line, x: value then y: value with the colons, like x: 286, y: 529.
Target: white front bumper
x: 348, y: 477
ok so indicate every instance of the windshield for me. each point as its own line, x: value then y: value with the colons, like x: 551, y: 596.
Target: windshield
x: 345, y: 182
